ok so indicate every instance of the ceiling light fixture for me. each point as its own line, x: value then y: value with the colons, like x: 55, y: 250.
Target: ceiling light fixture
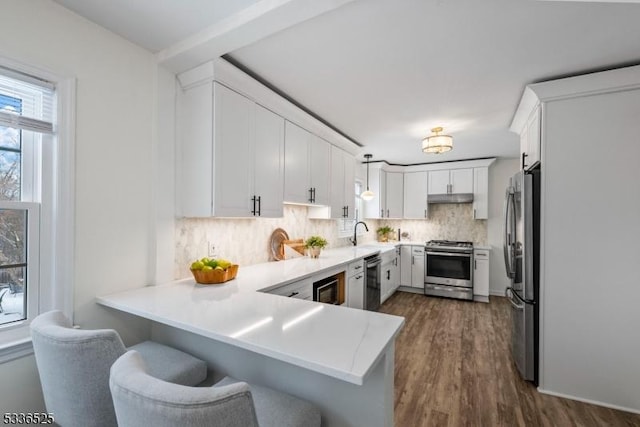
x: 367, y: 194
x: 437, y: 143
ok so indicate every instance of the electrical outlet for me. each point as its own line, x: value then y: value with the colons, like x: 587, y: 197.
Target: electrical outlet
x: 211, y: 249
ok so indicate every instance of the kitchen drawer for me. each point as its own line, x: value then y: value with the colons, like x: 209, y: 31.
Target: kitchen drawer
x: 481, y: 254
x: 355, y: 268
x: 302, y: 289
x: 417, y: 250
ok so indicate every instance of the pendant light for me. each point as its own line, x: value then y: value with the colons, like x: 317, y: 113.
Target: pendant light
x: 367, y: 194
x: 437, y: 143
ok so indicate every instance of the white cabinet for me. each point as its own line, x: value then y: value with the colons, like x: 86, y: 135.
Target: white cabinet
x: 355, y: 285
x: 481, y: 275
x: 530, y: 140
x: 453, y: 181
x: 395, y: 194
x: 481, y: 193
x: 219, y: 132
x: 388, y: 190
x: 306, y: 167
x: 390, y: 272
x: 342, y: 194
x: 415, y: 195
x: 412, y: 266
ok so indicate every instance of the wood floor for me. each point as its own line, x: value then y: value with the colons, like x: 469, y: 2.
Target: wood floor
x: 453, y: 368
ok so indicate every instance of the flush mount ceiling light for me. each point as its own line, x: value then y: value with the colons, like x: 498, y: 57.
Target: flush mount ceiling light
x: 437, y: 143
x: 367, y: 194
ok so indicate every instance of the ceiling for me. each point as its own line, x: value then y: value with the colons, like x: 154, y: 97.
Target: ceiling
x: 384, y: 72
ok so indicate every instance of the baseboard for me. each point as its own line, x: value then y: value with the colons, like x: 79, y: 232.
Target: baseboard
x: 480, y: 298
x: 496, y: 293
x: 410, y: 289
x: 593, y: 402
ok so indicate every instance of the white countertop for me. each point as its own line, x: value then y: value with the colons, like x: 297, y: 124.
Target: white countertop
x: 337, y: 341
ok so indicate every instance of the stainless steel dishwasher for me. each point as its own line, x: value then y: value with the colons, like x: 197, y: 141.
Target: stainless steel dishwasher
x: 372, y: 282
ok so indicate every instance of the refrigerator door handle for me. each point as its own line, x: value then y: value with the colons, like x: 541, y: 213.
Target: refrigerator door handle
x: 507, y: 236
x: 509, y: 293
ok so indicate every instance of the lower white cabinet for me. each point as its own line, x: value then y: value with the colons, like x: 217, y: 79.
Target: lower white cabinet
x: 412, y: 266
x: 481, y: 275
x: 390, y: 280
x: 355, y: 285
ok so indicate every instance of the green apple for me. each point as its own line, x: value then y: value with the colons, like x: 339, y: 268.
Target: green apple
x: 219, y: 268
x: 207, y: 268
x: 198, y: 265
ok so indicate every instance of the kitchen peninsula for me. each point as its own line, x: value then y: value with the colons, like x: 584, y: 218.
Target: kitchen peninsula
x: 341, y: 359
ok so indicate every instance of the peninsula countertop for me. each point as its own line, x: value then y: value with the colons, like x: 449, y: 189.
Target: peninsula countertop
x: 340, y: 342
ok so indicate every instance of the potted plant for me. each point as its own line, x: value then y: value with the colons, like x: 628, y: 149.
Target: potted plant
x: 315, y: 244
x: 383, y: 233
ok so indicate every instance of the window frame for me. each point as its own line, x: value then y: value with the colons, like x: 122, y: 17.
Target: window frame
x: 57, y: 209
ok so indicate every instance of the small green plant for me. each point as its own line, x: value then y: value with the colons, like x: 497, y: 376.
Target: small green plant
x: 384, y: 230
x: 315, y: 242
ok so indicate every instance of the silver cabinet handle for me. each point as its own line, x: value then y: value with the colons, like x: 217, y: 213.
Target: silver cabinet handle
x: 357, y: 267
x: 425, y: 213
x: 474, y: 214
x: 359, y: 277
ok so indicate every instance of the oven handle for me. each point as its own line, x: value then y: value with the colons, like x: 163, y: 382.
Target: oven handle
x: 458, y: 254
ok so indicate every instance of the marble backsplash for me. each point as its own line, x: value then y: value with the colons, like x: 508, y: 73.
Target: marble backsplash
x: 246, y: 241
x: 446, y: 222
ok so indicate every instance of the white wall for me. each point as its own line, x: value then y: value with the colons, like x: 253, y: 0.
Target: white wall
x: 590, y: 251
x: 114, y: 122
x: 499, y: 173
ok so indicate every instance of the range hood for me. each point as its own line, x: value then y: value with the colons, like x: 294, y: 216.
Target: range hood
x: 450, y: 198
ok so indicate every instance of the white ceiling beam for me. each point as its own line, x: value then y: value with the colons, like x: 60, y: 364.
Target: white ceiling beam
x: 260, y: 20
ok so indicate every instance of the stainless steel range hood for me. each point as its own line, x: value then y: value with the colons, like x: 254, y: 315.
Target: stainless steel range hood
x: 450, y: 198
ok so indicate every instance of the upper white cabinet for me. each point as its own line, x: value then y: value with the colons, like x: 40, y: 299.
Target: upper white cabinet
x: 453, y: 181
x: 481, y: 193
x: 415, y: 195
x: 388, y: 190
x: 220, y: 133
x: 306, y: 167
x: 342, y: 180
x: 530, y: 140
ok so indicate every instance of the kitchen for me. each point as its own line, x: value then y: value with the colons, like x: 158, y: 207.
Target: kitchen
x: 146, y: 244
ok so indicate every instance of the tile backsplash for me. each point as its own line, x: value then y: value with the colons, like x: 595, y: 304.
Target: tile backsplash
x: 246, y: 241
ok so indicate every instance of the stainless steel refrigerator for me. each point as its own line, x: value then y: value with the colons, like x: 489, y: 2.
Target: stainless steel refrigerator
x: 522, y: 261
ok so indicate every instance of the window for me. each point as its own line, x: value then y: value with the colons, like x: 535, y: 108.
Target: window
x: 36, y: 202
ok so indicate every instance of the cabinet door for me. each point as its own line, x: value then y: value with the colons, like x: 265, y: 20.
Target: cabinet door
x: 385, y: 282
x: 320, y: 169
x: 533, y: 139
x: 268, y: 155
x: 438, y: 182
x: 337, y: 183
x: 383, y: 194
x: 523, y: 148
x: 480, y: 193
x: 481, y: 273
x: 233, y: 121
x: 417, y: 267
x: 415, y: 195
x: 461, y: 181
x: 373, y: 208
x: 405, y: 265
x: 395, y: 273
x: 355, y: 294
x: 296, y: 164
x: 350, y: 185
x: 395, y: 194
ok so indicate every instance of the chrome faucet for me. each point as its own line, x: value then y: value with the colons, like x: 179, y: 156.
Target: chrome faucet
x: 355, y: 236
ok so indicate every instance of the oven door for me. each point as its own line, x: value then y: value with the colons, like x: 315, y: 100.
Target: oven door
x: 449, y: 268
x: 326, y: 291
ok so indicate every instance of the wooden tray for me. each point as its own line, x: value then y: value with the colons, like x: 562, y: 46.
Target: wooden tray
x: 215, y: 277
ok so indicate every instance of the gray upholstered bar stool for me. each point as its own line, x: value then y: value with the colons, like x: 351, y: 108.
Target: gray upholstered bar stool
x: 140, y: 399
x: 74, y: 364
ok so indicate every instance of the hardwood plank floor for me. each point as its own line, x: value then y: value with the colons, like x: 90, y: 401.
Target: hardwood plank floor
x: 453, y: 368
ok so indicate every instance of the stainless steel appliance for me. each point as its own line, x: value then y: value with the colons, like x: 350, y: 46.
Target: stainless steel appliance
x: 449, y: 269
x: 326, y: 290
x: 522, y: 260
x: 372, y: 282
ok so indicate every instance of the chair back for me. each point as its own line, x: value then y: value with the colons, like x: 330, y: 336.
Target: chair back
x: 73, y: 365
x: 141, y: 399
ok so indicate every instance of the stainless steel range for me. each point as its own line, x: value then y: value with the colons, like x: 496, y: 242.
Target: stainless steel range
x: 449, y: 269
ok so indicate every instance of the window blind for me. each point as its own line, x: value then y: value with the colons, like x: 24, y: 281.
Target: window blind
x: 26, y: 102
